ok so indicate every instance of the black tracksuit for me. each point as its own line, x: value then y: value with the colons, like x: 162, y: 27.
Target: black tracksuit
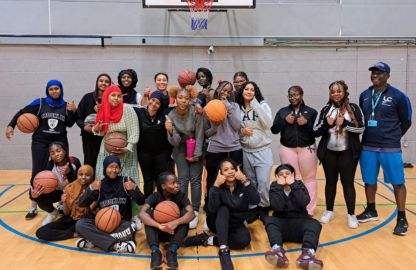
x: 111, y: 194
x: 90, y: 143
x: 154, y: 235
x: 52, y: 127
x: 227, y: 211
x: 290, y: 221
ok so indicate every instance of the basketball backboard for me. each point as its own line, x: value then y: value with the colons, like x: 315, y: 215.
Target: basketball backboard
x: 182, y: 4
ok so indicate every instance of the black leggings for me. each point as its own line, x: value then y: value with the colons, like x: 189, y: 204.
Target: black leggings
x: 152, y: 164
x: 61, y: 229
x: 91, y: 147
x: 299, y: 230
x: 339, y: 163
x: 229, y: 232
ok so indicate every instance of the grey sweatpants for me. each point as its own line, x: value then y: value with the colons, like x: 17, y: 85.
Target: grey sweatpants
x: 189, y: 172
x: 86, y: 228
x: 257, y: 167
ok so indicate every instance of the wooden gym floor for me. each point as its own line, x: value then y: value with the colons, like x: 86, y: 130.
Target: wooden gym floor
x: 371, y: 246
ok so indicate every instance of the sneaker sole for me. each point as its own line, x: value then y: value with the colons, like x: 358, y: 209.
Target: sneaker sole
x: 326, y: 222
x: 274, y: 260
x: 310, y: 266
x: 400, y: 234
x: 157, y: 268
x: 367, y: 220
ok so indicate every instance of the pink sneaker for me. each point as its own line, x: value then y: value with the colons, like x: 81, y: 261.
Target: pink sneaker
x: 277, y: 257
x: 307, y: 261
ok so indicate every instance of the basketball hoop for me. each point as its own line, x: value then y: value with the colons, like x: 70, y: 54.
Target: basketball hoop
x: 199, y: 10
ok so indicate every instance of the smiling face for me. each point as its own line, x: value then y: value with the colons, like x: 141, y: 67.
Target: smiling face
x: 249, y: 92
x: 228, y: 170
x: 379, y: 78
x: 226, y: 92
x: 295, y: 97
x: 154, y: 104
x: 336, y: 94
x: 112, y: 170
x: 84, y: 177
x: 182, y: 100
x: 57, y: 153
x: 126, y: 80
x: 238, y: 81
x: 54, y: 91
x: 161, y: 82
x: 103, y: 83
x: 202, y: 79
x: 171, y: 184
x: 115, y: 98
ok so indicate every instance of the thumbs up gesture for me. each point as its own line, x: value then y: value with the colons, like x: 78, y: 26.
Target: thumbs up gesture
x: 239, y: 175
x: 71, y: 106
x: 64, y: 169
x: 290, y: 118
x: 301, y: 120
x: 129, y: 185
x: 168, y: 125
x: 96, y: 185
x: 220, y: 179
x: 147, y: 92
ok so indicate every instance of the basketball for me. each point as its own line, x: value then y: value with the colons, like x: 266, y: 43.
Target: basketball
x: 27, y: 123
x: 166, y: 211
x: 216, y: 110
x: 107, y: 219
x: 47, y: 179
x: 114, y: 140
x: 186, y: 77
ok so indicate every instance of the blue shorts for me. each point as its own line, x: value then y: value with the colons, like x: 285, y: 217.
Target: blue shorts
x: 392, y: 164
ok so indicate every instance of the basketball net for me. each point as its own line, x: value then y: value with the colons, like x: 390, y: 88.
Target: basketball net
x: 199, y: 10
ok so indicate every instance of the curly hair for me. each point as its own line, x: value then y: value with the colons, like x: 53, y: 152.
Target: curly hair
x: 257, y: 93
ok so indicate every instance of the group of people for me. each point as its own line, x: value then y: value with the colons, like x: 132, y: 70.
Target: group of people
x: 237, y: 155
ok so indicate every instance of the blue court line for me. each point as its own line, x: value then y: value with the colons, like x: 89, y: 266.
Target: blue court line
x: 7, y: 189
x: 53, y: 244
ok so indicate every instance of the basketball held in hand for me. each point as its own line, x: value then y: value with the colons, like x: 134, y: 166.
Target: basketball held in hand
x: 107, y: 219
x: 47, y: 179
x: 186, y: 77
x: 216, y: 111
x: 166, y: 211
x: 113, y: 141
x: 27, y: 123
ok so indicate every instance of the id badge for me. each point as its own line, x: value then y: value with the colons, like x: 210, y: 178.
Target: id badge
x: 372, y: 123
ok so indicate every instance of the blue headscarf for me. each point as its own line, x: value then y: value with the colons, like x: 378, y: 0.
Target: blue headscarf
x: 111, y: 159
x: 57, y: 103
x: 161, y: 97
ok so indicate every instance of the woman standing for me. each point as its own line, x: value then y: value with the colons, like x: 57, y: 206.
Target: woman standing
x: 227, y: 209
x: 295, y: 125
x: 153, y: 148
x: 223, y: 137
x: 115, y: 116
x: 54, y: 115
x: 88, y: 107
x: 182, y: 124
x: 256, y: 120
x: 340, y: 123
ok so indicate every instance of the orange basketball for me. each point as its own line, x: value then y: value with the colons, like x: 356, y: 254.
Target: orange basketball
x: 114, y: 140
x: 27, y: 123
x: 107, y: 219
x: 216, y: 110
x: 47, y: 179
x: 186, y: 77
x: 166, y: 211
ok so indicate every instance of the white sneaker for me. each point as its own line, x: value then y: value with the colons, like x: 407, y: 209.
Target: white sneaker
x: 125, y: 247
x: 327, y: 216
x: 206, y: 228
x: 137, y: 223
x: 83, y: 243
x: 194, y: 222
x: 50, y: 217
x: 352, y: 222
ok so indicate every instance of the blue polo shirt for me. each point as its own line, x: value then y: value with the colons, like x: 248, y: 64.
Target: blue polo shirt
x: 393, y: 114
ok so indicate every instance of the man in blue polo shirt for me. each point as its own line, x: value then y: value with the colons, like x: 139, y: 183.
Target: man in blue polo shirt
x: 387, y: 113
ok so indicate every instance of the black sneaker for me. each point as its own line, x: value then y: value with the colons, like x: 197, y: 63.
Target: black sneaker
x: 367, y: 216
x: 401, y: 227
x: 197, y: 240
x: 225, y: 259
x: 171, y: 260
x: 31, y: 214
x: 156, y: 260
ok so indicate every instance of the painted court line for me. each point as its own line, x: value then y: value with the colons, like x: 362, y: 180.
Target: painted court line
x: 198, y: 257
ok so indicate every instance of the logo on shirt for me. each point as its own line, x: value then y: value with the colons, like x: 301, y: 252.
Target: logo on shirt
x: 241, y: 195
x: 387, y: 101
x: 52, y: 123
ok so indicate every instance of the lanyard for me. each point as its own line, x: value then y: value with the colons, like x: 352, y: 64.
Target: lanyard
x: 374, y: 104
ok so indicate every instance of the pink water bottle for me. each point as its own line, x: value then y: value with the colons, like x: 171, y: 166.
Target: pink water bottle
x: 190, y: 147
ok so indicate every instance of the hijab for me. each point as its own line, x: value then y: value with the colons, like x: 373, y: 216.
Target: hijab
x: 109, y: 114
x: 110, y: 159
x: 56, y: 103
x: 129, y: 94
